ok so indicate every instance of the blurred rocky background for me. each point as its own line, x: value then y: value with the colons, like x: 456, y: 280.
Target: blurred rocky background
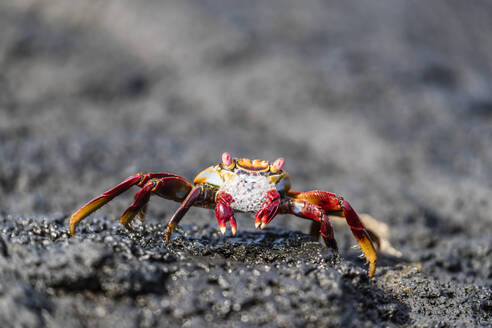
x: 388, y: 103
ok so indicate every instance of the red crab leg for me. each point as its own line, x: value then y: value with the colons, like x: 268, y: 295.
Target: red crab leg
x: 307, y: 210
x: 174, y: 187
x: 193, y: 195
x: 336, y: 205
x: 268, y: 209
x: 224, y: 212
x: 138, y: 180
x: 169, y: 187
x: 314, y: 230
x: 141, y: 199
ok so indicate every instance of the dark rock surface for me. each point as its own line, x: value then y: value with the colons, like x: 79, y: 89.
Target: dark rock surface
x: 388, y: 103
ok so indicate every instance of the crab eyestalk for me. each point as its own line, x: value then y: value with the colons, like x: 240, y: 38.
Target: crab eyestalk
x: 277, y: 165
x: 227, y: 161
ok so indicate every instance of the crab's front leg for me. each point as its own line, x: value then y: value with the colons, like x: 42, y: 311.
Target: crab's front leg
x: 336, y: 205
x: 223, y: 210
x: 192, y: 196
x: 268, y: 209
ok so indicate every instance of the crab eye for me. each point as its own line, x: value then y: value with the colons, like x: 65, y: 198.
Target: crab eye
x: 277, y: 165
x: 227, y: 161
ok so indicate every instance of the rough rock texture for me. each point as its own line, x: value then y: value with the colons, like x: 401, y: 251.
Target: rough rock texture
x: 388, y: 103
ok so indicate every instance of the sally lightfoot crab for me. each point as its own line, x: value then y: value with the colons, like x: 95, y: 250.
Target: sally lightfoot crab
x: 243, y: 185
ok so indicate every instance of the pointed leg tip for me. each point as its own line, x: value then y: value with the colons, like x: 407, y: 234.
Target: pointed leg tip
x: 71, y: 230
x: 127, y: 218
x: 222, y: 230
x: 372, y: 269
x: 257, y: 225
x: 169, y: 230
x: 334, y: 247
x: 128, y: 227
x: 368, y: 251
x: 73, y: 225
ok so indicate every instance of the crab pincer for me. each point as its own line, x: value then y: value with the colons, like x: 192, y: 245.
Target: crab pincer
x: 224, y: 212
x: 268, y: 209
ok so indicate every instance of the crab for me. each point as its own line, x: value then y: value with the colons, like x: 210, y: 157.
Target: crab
x: 238, y: 185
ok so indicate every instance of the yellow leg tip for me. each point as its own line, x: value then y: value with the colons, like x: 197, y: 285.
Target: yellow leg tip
x: 372, y: 269
x: 71, y: 228
x: 85, y: 211
x: 126, y: 220
x: 369, y: 252
x: 169, y: 230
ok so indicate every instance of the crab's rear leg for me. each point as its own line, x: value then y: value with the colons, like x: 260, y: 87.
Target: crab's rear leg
x: 102, y: 199
x: 141, y: 199
x: 177, y: 186
x: 335, y: 205
x: 169, y: 187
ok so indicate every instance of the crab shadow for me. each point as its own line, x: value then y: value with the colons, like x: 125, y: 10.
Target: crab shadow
x: 387, y: 261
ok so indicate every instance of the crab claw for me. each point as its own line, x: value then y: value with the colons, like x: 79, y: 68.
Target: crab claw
x: 224, y: 213
x: 232, y: 222
x: 268, y: 209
